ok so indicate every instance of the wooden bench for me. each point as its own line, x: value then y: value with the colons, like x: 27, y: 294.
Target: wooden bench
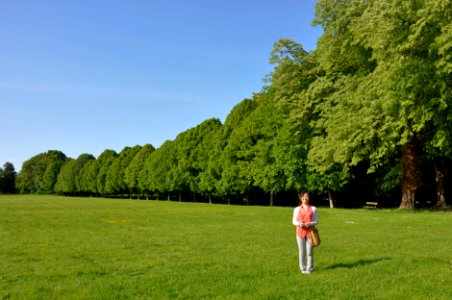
x: 371, y: 204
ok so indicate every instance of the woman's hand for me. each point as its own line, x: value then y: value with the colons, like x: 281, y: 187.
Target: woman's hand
x: 304, y: 225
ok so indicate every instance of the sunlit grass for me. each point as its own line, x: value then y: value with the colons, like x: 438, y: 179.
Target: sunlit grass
x: 90, y: 248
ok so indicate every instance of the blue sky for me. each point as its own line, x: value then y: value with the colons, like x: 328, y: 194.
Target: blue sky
x: 86, y: 76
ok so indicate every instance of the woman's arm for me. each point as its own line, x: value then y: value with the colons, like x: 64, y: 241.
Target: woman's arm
x: 295, y: 216
x: 315, y: 219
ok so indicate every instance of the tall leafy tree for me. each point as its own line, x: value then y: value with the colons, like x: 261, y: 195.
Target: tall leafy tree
x: 136, y: 169
x: 50, y: 176
x: 104, y: 162
x: 66, y: 182
x: 88, y: 177
x: 418, y: 99
x: 340, y: 64
x: 181, y: 173
x: 299, y: 85
x: 193, y: 148
x: 258, y: 139
x: 433, y: 38
x: 208, y: 158
x: 236, y: 178
x: 81, y: 162
x: 158, y: 169
x: 385, y: 98
x: 115, y: 180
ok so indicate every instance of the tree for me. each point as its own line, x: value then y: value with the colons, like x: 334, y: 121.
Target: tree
x: 104, y: 161
x: 115, y: 180
x: 385, y: 85
x: 339, y: 63
x: 193, y: 148
x: 234, y: 152
x: 134, y: 171
x: 65, y: 181
x: 81, y: 161
x: 406, y: 49
x: 158, y: 169
x: 68, y: 181
x: 88, y: 177
x: 258, y: 138
x: 208, y: 157
x: 50, y: 176
x: 433, y: 36
x: 300, y: 87
x: 8, y: 178
x: 30, y: 178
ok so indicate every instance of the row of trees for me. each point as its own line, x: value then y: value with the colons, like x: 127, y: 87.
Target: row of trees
x: 365, y: 116
x: 234, y: 161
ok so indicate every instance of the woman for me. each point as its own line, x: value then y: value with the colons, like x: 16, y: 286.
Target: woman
x: 305, y: 216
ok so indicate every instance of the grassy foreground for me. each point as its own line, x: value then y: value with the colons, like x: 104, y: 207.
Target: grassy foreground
x: 90, y: 248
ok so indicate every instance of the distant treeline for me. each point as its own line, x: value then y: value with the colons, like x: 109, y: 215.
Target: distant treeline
x: 364, y: 117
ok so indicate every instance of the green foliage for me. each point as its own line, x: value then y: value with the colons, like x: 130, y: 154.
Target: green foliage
x: 77, y: 248
x: 194, y: 153
x: 208, y: 175
x: 65, y: 181
x: 115, y: 180
x: 380, y: 58
x: 88, y: 177
x: 294, y: 71
x: 69, y: 180
x: 80, y: 163
x: 235, y: 154
x: 30, y: 178
x: 134, y: 172
x: 50, y: 176
x: 104, y: 162
x: 158, y: 176
x: 260, y: 131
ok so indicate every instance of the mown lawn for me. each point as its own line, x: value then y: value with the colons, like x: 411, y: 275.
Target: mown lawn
x: 91, y: 248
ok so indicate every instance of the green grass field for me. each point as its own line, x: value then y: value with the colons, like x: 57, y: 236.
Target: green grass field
x: 91, y: 248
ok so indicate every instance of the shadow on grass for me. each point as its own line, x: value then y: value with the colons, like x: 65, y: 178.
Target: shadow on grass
x: 359, y: 263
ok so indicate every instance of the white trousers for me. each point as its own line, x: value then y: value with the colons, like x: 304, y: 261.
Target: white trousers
x: 305, y: 255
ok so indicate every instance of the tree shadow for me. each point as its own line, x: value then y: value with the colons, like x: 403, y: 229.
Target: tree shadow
x: 359, y: 263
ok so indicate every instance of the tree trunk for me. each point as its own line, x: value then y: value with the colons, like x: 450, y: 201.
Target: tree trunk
x: 330, y: 198
x: 411, y: 175
x: 271, y: 198
x: 440, y: 194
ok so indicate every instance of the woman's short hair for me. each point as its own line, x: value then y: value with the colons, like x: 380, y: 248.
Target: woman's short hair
x: 302, y: 193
